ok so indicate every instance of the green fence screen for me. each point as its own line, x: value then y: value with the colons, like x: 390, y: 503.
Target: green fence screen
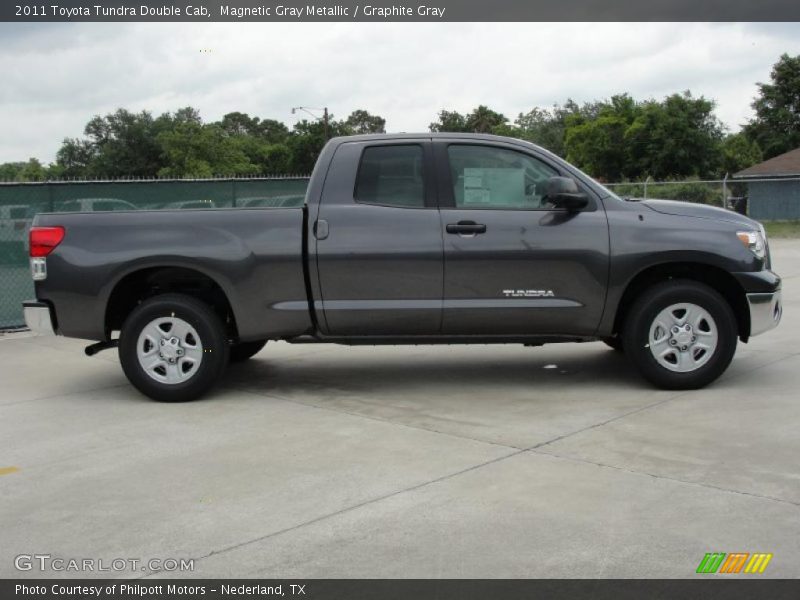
x: 20, y: 202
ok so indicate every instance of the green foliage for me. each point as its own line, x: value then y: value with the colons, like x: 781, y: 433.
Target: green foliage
x: 242, y: 124
x: 32, y: 170
x: 776, y: 126
x: 179, y: 144
x: 676, y: 137
x: 192, y: 149
x: 308, y: 138
x: 782, y: 229
x: 596, y: 141
x: 10, y: 171
x: 546, y: 127
x: 738, y: 152
x: 481, y: 120
x: 450, y: 121
x: 688, y: 191
x: 124, y: 144
x: 360, y: 121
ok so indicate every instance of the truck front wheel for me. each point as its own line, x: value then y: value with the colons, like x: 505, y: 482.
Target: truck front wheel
x: 173, y: 348
x: 680, y: 334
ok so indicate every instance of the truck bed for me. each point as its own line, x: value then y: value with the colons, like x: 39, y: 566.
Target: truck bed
x: 255, y: 256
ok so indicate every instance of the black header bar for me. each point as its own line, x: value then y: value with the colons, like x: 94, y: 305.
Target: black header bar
x: 398, y: 10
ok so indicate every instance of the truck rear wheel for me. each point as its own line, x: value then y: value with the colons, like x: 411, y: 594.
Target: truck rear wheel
x: 680, y: 334
x: 173, y: 348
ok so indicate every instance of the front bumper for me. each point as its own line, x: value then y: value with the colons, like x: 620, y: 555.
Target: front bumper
x: 766, y: 309
x: 38, y: 317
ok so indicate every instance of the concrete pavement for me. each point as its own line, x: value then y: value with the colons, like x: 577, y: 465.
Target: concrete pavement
x: 478, y: 461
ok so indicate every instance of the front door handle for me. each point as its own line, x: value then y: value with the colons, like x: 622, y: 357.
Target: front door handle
x: 466, y: 228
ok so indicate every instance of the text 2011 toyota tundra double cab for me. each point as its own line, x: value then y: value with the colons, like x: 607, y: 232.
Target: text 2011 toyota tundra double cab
x: 409, y: 239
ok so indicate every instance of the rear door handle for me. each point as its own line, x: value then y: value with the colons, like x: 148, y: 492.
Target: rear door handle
x: 466, y: 228
x: 321, y: 229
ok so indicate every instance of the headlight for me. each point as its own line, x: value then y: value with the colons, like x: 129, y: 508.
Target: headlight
x: 755, y: 241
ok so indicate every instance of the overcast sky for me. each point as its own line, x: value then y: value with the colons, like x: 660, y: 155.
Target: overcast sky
x: 57, y: 76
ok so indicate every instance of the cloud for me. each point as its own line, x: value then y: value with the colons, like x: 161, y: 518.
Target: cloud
x: 57, y: 76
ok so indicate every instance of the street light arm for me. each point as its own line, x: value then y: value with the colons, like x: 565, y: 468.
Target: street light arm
x: 323, y: 118
x: 307, y: 109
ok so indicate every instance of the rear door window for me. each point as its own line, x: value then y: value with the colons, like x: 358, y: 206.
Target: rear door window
x: 391, y: 176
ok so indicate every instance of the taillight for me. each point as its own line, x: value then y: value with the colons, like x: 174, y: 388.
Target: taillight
x: 44, y: 240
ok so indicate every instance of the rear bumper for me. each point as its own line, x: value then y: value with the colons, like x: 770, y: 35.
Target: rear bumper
x: 766, y: 310
x: 38, y: 317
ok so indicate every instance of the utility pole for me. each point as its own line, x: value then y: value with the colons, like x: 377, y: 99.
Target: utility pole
x: 325, y: 119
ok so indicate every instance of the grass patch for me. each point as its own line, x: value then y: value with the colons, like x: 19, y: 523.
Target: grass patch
x: 782, y: 229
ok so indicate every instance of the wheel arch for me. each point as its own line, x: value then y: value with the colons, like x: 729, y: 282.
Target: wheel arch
x: 715, y: 277
x: 148, y: 281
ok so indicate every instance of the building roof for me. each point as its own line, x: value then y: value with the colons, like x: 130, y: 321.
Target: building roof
x: 783, y: 165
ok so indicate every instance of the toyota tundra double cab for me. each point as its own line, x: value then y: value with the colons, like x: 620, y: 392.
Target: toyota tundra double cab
x: 409, y: 239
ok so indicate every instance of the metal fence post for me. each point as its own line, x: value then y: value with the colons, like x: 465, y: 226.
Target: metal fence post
x: 725, y: 191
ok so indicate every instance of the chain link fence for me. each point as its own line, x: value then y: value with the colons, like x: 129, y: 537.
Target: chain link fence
x: 763, y: 199
x: 20, y: 202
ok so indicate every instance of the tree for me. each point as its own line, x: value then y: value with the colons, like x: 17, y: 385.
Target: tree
x: 360, y: 121
x: 738, y: 152
x: 32, y: 171
x: 242, y: 124
x: 196, y: 150
x: 74, y: 157
x: 595, y: 137
x: 621, y: 138
x: 484, y: 120
x: 272, y: 131
x: 308, y: 138
x: 124, y: 144
x: 677, y: 137
x: 10, y: 171
x: 598, y: 146
x: 481, y: 120
x: 776, y: 126
x: 450, y: 121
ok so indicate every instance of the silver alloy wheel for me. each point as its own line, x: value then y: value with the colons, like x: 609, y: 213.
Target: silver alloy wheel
x: 169, y: 350
x: 683, y: 337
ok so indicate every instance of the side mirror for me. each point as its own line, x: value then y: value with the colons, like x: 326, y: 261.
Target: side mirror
x: 563, y: 192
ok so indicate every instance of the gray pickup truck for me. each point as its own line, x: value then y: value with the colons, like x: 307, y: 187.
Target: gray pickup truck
x: 409, y: 239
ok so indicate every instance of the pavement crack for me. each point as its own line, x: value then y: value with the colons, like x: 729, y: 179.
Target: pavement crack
x: 665, y: 477
x: 378, y: 419
x: 654, y: 404
x: 606, y: 422
x: 351, y: 508
x: 50, y: 397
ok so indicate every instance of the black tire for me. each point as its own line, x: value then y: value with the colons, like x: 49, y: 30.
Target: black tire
x: 643, y: 312
x: 209, y: 328
x: 615, y: 343
x: 244, y: 350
